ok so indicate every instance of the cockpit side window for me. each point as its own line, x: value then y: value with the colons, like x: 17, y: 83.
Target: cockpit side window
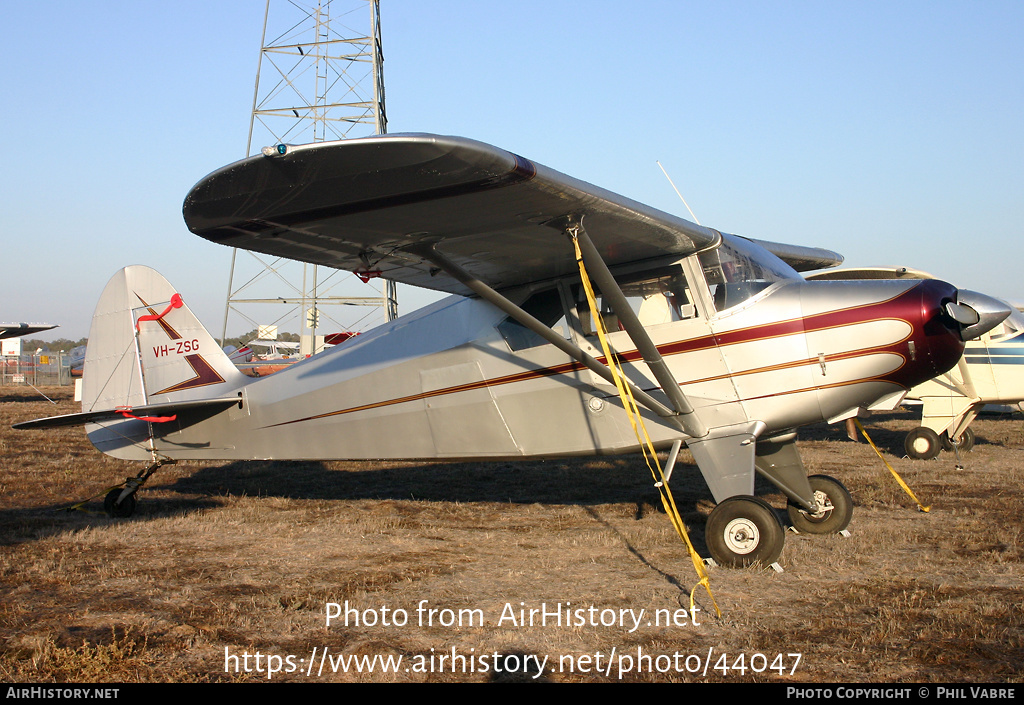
x: 656, y: 296
x: 737, y: 270
x: 545, y: 306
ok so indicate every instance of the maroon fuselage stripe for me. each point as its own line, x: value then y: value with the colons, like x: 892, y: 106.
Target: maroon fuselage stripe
x: 889, y: 309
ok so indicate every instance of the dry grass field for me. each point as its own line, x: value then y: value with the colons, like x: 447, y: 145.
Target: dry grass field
x: 222, y: 562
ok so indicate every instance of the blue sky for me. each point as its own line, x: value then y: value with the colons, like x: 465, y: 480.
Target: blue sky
x: 889, y: 132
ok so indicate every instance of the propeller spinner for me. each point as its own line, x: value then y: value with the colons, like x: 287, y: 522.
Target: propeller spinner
x: 976, y: 313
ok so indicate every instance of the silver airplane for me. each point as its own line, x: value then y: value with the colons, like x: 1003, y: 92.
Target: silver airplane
x: 725, y: 347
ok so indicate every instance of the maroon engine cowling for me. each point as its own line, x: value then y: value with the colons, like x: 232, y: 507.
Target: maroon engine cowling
x: 935, y: 346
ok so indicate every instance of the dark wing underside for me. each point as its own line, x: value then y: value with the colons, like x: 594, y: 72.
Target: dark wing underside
x: 375, y: 203
x: 16, y: 330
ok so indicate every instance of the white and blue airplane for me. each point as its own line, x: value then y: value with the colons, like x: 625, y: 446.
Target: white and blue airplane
x: 990, y: 372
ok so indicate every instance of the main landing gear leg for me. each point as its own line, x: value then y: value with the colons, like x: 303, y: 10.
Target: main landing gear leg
x: 120, y: 502
x: 818, y: 504
x: 964, y: 444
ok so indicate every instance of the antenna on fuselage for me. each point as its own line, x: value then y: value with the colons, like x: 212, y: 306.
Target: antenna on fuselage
x: 672, y: 183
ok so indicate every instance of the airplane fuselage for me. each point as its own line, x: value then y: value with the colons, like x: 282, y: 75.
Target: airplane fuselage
x: 456, y: 380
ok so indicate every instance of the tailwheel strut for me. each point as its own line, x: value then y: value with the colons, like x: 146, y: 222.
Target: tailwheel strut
x: 120, y: 501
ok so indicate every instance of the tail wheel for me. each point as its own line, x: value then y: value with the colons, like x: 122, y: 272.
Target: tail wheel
x: 119, y: 510
x: 965, y: 444
x: 835, y: 508
x: 742, y: 531
x: 922, y: 443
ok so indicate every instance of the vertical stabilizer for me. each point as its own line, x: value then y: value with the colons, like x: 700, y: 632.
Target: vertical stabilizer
x: 147, y: 347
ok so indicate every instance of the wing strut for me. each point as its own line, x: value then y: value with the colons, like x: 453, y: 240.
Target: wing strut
x: 602, y: 276
x: 488, y: 294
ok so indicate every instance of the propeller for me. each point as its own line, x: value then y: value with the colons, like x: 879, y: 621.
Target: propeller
x: 976, y: 313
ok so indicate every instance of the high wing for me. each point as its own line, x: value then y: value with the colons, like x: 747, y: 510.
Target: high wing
x: 16, y: 330
x: 374, y: 204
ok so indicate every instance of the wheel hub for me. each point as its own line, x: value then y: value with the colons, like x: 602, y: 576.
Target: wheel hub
x: 824, y: 505
x: 742, y: 536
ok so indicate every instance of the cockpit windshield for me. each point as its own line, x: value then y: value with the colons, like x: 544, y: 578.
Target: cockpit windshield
x: 738, y: 269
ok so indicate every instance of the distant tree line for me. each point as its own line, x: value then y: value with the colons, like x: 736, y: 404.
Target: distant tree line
x: 60, y: 345
x: 65, y: 345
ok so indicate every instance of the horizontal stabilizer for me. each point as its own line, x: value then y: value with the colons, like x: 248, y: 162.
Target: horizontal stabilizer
x: 164, y: 412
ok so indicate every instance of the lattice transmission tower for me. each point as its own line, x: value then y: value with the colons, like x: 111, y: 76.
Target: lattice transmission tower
x: 320, y: 78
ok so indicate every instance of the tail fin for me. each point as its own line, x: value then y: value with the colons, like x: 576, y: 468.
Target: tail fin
x: 146, y: 347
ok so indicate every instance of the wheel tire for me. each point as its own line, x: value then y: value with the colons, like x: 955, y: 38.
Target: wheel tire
x: 966, y: 441
x: 922, y: 444
x: 742, y: 531
x: 832, y: 520
x: 119, y: 511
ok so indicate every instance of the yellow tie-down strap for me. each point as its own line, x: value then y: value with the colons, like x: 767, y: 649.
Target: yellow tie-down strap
x: 637, y: 422
x: 80, y: 506
x: 895, y: 474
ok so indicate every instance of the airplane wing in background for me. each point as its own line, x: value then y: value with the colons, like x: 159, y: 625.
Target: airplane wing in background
x: 869, y: 273
x: 371, y: 204
x: 16, y: 330
x: 802, y: 259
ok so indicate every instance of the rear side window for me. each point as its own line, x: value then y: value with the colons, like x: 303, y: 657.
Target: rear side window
x: 545, y: 306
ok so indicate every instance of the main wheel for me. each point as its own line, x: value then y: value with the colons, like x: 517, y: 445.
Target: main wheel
x: 744, y: 530
x: 835, y: 503
x: 965, y: 444
x: 119, y: 511
x: 922, y: 443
